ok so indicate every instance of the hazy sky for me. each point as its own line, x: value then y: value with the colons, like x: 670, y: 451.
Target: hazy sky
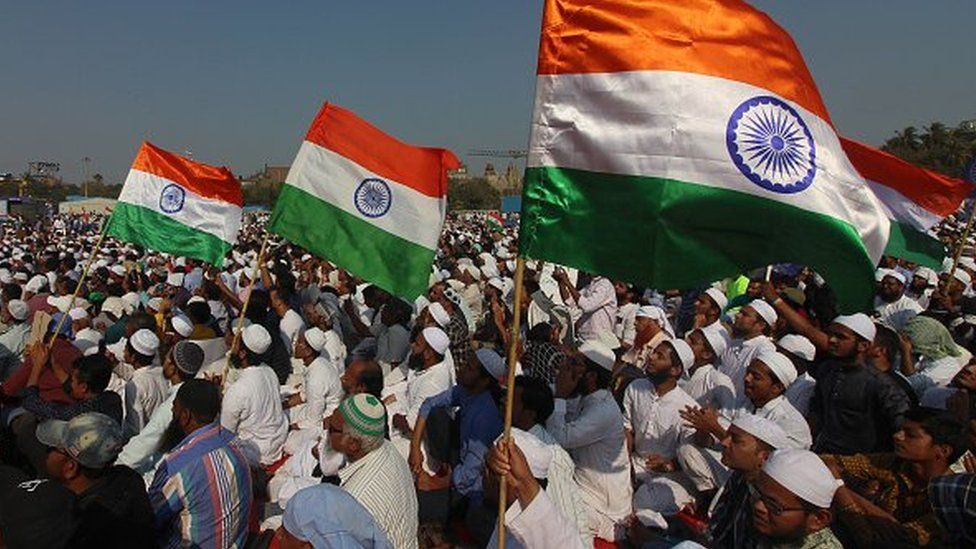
x: 237, y: 83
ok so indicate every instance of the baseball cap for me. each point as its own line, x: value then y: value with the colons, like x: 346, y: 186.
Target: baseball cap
x: 92, y: 439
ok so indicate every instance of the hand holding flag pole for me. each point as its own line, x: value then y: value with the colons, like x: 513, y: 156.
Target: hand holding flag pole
x: 240, y: 318
x: 81, y: 282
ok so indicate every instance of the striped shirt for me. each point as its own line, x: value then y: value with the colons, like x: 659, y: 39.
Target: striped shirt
x: 382, y: 482
x: 201, y: 493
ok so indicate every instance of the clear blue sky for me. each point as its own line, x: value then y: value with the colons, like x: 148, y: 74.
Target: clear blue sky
x: 238, y: 82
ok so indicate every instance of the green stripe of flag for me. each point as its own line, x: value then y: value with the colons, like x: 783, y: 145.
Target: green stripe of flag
x: 915, y: 246
x: 393, y: 263
x: 666, y: 233
x: 153, y: 230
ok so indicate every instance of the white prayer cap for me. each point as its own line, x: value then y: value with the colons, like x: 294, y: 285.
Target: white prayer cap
x: 967, y: 262
x: 18, y: 309
x: 144, y: 342
x: 493, y: 362
x: 306, y: 257
x: 315, y: 338
x: 36, y: 284
x: 798, y: 346
x: 131, y: 301
x: 174, y: 279
x: 716, y: 339
x: 963, y: 276
x: 5, y: 277
x: 196, y: 299
x: 930, y: 276
x: 859, y: 323
x: 497, y: 283
x: 439, y: 314
x: 118, y: 270
x: 256, y: 338
x: 154, y: 303
x: 180, y: 261
x: 598, y: 352
x: 685, y: 354
x: 764, y: 429
x: 804, y: 474
x: 114, y: 305
x: 537, y: 454
x: 20, y: 276
x: 718, y: 297
x: 880, y: 274
x: 764, y: 310
x: 78, y: 313
x: 658, y: 314
x: 436, y: 339
x: 779, y: 365
x: 87, y: 341
x: 182, y: 324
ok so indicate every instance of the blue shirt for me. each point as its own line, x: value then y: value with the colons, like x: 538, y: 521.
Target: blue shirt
x: 479, y: 424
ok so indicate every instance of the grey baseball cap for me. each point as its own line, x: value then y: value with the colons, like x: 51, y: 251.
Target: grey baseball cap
x: 93, y: 440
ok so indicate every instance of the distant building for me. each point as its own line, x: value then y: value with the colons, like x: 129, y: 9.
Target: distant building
x: 276, y: 174
x: 508, y: 183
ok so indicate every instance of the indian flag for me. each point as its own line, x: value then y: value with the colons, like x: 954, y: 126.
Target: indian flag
x: 495, y: 222
x: 365, y: 201
x: 677, y: 143
x: 915, y: 200
x: 175, y: 205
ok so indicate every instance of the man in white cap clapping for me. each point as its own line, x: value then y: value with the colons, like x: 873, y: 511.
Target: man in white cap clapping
x: 147, y: 388
x: 893, y: 307
x: 655, y: 430
x: 252, y: 405
x: 594, y: 435
x: 750, y: 330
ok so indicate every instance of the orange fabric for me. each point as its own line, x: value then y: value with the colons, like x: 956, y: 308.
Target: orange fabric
x: 723, y: 38
x: 933, y: 191
x: 207, y: 181
x: 342, y: 132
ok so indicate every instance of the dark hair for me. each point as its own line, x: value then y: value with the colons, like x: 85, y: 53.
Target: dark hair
x: 887, y: 339
x: 371, y: 377
x: 536, y: 396
x: 12, y: 291
x: 201, y: 398
x: 603, y: 376
x: 257, y: 308
x: 943, y: 427
x: 540, y: 332
x: 94, y: 371
x: 141, y: 320
x: 198, y: 311
x: 143, y: 360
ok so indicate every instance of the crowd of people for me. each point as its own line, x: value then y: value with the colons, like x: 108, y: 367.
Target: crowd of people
x: 282, y: 401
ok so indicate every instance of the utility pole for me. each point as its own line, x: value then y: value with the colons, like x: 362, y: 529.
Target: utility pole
x: 86, y: 162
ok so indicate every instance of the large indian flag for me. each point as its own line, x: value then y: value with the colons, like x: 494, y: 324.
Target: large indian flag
x: 676, y: 143
x: 175, y: 205
x: 365, y: 201
x: 915, y: 200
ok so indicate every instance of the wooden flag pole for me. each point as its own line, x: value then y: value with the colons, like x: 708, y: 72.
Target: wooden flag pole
x: 81, y: 281
x: 962, y: 242
x: 510, y: 391
x: 247, y: 299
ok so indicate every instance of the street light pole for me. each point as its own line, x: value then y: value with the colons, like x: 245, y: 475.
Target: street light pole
x: 86, y: 162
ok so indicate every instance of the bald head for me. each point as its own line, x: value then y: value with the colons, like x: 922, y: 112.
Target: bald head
x: 363, y: 376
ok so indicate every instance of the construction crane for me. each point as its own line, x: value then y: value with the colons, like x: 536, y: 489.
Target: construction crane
x: 499, y: 153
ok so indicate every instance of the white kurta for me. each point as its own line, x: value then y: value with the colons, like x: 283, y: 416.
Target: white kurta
x: 935, y: 373
x: 145, y: 391
x: 897, y: 313
x: 323, y: 393
x: 711, y: 388
x: 737, y: 358
x: 290, y: 326
x: 782, y: 413
x: 141, y: 452
x: 561, y: 486
x: 597, y: 304
x: 594, y: 437
x: 252, y: 409
x: 540, y: 525
x: 624, y: 328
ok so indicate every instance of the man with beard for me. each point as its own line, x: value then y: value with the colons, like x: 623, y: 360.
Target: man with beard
x: 855, y: 408
x: 201, y: 493
x: 593, y: 433
x: 749, y: 331
x: 651, y: 328
x: 429, y: 375
x: 892, y: 306
x: 924, y: 281
x: 252, y: 404
x: 142, y: 451
x: 655, y: 431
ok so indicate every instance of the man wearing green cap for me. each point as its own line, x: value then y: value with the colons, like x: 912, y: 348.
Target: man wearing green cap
x: 377, y: 475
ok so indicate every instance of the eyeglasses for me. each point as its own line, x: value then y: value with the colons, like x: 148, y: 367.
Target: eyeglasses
x: 772, y: 505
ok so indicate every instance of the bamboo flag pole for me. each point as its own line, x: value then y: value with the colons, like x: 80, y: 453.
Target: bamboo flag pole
x: 962, y: 242
x: 247, y: 300
x: 510, y: 391
x: 81, y: 281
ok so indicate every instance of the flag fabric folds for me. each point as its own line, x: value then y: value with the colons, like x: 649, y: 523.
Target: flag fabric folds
x: 915, y: 200
x: 677, y: 143
x: 365, y: 201
x: 175, y: 205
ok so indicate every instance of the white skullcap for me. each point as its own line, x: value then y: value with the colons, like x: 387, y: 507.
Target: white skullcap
x: 493, y: 362
x: 804, y: 474
x: 36, y: 284
x: 78, y: 313
x: 439, y: 314
x: 131, y: 301
x: 87, y: 341
x: 764, y: 429
x: 118, y: 270
x: 306, y: 257
x: 685, y: 354
x: 537, y: 454
x: 144, y: 342
x: 315, y: 338
x: 180, y: 261
x: 598, y: 352
x: 963, y: 276
x: 928, y: 274
x: 718, y: 297
x: 798, y: 346
x: 882, y: 273
x: 967, y: 262
x: 716, y: 339
x: 658, y: 314
x: 182, y: 325
x: 114, y: 305
x: 497, y: 283
x: 436, y: 339
x: 256, y: 338
x: 196, y: 299
x: 765, y: 311
x: 18, y: 309
x: 859, y: 323
x: 780, y: 366
x: 174, y: 279
x: 154, y: 303
x: 5, y: 277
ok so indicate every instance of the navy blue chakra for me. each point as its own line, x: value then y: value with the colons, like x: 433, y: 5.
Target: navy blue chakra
x: 771, y: 145
x: 172, y: 198
x: 373, y: 197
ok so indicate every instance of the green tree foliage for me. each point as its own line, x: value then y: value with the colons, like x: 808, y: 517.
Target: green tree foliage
x: 472, y: 194
x: 935, y: 147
